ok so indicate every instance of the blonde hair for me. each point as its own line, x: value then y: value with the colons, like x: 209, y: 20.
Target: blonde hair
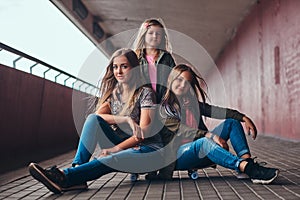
x: 139, y: 43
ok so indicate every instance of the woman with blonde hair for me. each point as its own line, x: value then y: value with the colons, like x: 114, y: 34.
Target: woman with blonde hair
x: 154, y: 52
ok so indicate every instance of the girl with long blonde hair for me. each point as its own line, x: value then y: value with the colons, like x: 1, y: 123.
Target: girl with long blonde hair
x: 154, y: 52
x: 120, y: 125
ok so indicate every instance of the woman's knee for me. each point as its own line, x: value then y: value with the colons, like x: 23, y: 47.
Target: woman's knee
x: 204, y: 146
x: 204, y: 142
x: 231, y: 121
x: 95, y: 118
x: 92, y: 117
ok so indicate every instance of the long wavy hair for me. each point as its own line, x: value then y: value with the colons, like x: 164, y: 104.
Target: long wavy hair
x: 196, y: 92
x: 109, y: 83
x: 139, y: 43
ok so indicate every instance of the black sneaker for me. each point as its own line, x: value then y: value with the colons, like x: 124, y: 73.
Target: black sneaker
x: 52, y: 178
x: 260, y: 174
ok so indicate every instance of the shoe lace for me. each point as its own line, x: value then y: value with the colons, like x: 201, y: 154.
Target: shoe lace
x: 262, y: 163
x: 55, y: 174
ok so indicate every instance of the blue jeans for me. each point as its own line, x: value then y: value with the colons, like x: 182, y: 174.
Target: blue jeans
x: 204, y: 152
x: 232, y: 130
x: 95, y: 130
x: 138, y: 160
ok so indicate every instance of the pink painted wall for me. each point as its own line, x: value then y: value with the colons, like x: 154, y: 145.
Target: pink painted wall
x: 261, y: 68
x: 36, y: 119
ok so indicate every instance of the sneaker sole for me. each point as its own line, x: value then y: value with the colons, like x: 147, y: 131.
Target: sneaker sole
x: 259, y: 181
x: 38, y: 175
x: 242, y: 176
x: 75, y: 187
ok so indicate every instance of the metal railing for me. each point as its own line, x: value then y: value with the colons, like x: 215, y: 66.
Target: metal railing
x: 76, y: 83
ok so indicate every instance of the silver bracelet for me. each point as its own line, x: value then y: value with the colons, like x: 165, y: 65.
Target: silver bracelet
x: 212, y: 136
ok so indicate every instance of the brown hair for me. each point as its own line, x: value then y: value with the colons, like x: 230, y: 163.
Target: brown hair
x: 170, y: 98
x: 109, y: 82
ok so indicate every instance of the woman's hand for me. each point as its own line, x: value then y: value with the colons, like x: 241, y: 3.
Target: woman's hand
x: 250, y: 127
x: 136, y: 129
x: 220, y: 141
x: 109, y: 151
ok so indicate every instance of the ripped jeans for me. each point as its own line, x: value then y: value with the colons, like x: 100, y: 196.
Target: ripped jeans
x: 204, y: 152
x: 95, y: 131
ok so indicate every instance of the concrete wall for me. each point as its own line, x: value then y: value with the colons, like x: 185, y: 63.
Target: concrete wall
x: 261, y: 68
x: 36, y: 119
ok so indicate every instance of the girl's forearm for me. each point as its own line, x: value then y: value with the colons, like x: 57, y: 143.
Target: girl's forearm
x: 113, y: 119
x: 128, y: 143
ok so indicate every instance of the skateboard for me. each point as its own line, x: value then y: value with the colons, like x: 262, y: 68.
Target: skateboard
x: 192, y: 173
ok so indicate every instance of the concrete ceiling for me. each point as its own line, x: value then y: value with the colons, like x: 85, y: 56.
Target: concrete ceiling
x: 211, y: 23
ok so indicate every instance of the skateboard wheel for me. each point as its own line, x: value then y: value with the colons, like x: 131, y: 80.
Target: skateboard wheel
x: 134, y: 177
x: 194, y: 175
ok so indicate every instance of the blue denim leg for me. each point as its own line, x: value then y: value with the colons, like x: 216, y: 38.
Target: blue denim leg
x: 202, y: 153
x: 131, y: 160
x: 95, y: 130
x: 232, y: 130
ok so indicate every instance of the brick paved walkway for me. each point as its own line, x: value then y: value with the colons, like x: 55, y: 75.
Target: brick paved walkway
x: 217, y: 183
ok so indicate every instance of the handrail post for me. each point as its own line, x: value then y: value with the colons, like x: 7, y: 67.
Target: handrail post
x: 46, y: 72
x: 15, y: 61
x: 33, y: 67
x: 65, y: 81
x: 55, y: 78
